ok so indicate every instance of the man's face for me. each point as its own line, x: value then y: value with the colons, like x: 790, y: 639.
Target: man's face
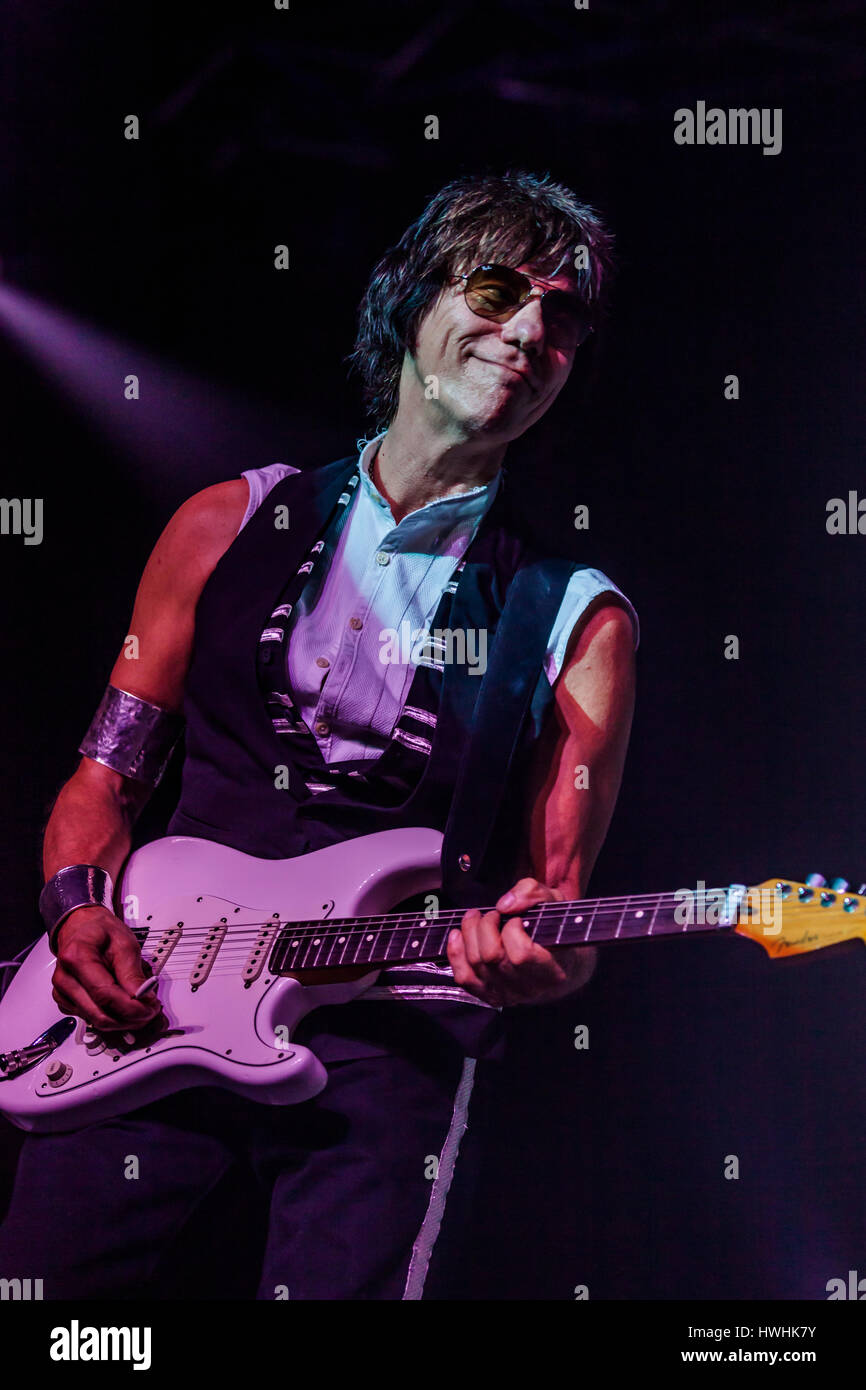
x: 495, y: 379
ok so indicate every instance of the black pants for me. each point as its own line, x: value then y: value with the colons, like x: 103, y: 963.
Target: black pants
x: 357, y: 1180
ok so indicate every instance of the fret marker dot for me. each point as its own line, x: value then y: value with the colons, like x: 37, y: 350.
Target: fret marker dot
x: 370, y: 938
x: 415, y: 943
x: 639, y: 914
x: 318, y: 941
x: 341, y: 940
x: 296, y: 943
x: 578, y: 919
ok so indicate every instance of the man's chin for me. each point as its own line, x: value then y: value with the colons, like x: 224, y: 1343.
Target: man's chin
x: 497, y: 417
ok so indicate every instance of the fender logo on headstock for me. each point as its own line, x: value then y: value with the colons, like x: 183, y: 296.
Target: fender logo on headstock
x: 805, y: 918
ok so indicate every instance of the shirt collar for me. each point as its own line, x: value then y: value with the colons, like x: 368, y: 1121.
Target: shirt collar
x: 439, y: 516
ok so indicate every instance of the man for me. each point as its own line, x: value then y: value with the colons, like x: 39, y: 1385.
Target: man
x: 271, y: 641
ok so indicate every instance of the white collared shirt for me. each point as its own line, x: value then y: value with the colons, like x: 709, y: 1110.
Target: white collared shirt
x: 349, y: 665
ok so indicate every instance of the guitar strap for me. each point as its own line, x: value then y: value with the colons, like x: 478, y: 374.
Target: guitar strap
x: 516, y: 659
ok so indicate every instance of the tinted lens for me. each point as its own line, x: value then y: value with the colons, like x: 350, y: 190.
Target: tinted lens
x: 566, y: 317
x: 493, y: 290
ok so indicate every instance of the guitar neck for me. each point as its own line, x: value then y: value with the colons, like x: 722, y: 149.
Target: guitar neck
x: 413, y: 936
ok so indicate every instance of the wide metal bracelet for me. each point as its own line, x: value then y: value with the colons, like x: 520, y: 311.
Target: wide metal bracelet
x: 77, y: 885
x: 132, y: 736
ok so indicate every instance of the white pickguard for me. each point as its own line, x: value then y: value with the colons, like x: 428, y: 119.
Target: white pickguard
x: 230, y: 1023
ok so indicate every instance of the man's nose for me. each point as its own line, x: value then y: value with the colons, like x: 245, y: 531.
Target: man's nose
x: 526, y: 328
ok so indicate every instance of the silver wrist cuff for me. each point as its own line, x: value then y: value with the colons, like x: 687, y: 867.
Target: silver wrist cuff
x: 132, y: 736
x: 78, y: 885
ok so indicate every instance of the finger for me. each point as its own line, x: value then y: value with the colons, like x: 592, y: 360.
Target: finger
x: 476, y: 982
x: 488, y: 942
x: 123, y: 955
x: 518, y: 946
x: 469, y: 933
x: 72, y: 998
x: 531, y: 963
x: 525, y: 892
x: 150, y: 1031
x: 84, y: 963
x: 461, y: 967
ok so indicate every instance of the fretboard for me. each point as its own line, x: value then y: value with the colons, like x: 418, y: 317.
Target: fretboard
x: 400, y: 937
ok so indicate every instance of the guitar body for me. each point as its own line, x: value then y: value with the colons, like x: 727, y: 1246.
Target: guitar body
x: 204, y: 913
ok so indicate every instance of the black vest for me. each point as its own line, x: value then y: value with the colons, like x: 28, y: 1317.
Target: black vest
x: 229, y: 789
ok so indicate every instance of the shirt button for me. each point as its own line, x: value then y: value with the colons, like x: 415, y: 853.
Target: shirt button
x: 356, y: 624
x: 322, y: 727
x: 322, y: 661
x: 382, y: 557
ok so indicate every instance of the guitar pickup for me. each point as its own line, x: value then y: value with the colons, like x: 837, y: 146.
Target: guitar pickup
x: 208, y: 954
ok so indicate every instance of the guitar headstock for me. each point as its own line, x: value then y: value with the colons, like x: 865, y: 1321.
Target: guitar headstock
x: 788, y: 918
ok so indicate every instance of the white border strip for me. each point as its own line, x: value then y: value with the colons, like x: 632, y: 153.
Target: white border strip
x: 419, y: 1264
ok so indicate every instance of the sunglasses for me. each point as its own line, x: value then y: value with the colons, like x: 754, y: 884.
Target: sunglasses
x: 497, y: 292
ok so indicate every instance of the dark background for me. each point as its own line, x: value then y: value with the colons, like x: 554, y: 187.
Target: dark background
x: 307, y: 127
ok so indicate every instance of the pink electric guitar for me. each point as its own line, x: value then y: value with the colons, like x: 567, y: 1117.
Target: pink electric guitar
x: 245, y: 947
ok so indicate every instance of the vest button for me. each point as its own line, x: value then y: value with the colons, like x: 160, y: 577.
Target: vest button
x: 382, y: 557
x: 322, y: 661
x: 355, y: 623
x: 465, y: 863
x: 322, y: 727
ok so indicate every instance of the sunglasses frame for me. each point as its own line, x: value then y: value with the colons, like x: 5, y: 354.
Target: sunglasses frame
x: 505, y: 314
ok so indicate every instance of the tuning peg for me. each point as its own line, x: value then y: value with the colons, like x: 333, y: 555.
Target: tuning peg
x: 816, y: 880
x: 839, y: 885
x: 861, y: 890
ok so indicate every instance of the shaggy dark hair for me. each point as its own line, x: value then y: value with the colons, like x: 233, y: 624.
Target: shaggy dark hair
x: 516, y: 218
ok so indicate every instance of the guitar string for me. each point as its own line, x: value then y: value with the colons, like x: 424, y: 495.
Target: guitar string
x: 413, y: 921
x: 234, y: 965
x: 243, y: 942
x: 229, y: 965
x: 223, y: 952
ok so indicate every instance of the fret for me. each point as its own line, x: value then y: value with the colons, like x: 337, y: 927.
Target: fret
x: 595, y: 911
x: 366, y: 946
x: 386, y: 954
x: 311, y: 944
x: 534, y: 923
x: 599, y: 927
x: 417, y: 933
x: 435, y: 947
x: 426, y: 953
x: 562, y: 923
x: 337, y: 938
x: 654, y: 916
x: 344, y: 945
x: 663, y: 921
x: 639, y: 921
x: 293, y: 940
x: 561, y: 912
x: 578, y: 921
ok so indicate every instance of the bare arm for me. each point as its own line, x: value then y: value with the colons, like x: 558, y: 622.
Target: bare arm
x: 573, y: 787
x: 578, y: 770
x: 99, y: 963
